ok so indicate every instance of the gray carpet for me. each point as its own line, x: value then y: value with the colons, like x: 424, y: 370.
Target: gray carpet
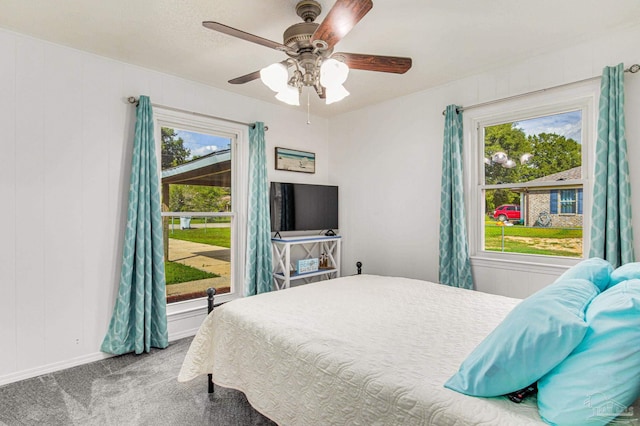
x: 125, y: 390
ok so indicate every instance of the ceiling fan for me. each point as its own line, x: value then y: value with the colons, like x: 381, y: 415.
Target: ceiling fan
x: 309, y: 46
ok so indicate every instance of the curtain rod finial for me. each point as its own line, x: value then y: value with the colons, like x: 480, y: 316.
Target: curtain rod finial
x: 132, y: 100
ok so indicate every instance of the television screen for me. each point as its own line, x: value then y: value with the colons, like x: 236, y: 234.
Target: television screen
x: 303, y: 207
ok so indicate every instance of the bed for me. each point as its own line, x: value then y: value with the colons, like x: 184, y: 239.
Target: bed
x: 355, y: 350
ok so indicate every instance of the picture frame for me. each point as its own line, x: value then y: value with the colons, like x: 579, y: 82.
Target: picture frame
x: 306, y: 266
x: 293, y: 160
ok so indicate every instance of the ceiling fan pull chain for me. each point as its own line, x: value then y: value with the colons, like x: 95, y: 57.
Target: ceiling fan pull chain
x: 308, y: 109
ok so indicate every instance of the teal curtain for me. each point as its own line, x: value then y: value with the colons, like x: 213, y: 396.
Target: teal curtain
x: 611, y: 230
x: 139, y: 319
x: 258, y: 263
x: 455, y: 267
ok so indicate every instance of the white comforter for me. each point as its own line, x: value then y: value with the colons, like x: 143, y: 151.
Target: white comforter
x: 361, y: 350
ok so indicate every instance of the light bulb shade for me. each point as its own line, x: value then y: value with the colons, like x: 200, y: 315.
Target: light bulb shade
x: 509, y: 164
x: 333, y: 73
x: 499, y: 157
x: 275, y: 76
x: 289, y: 95
x: 525, y: 158
x: 335, y: 93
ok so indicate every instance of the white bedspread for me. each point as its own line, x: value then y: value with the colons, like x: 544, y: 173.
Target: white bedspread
x: 361, y: 350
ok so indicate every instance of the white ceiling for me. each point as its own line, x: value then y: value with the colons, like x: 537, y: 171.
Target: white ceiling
x: 447, y: 39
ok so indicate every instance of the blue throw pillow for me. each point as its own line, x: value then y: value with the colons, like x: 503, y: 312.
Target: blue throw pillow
x: 596, y: 270
x: 601, y: 378
x: 628, y: 271
x: 533, y: 338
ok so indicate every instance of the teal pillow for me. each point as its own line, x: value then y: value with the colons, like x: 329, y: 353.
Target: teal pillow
x: 533, y: 338
x: 596, y: 270
x: 628, y: 271
x: 601, y: 377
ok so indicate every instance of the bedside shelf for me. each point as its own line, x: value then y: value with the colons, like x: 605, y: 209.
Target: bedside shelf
x: 311, y: 247
x: 296, y: 276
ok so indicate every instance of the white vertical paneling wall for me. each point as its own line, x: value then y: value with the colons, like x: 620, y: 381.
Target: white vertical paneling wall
x: 62, y: 216
x: 387, y: 160
x: 8, y: 198
x: 31, y: 284
x: 66, y: 143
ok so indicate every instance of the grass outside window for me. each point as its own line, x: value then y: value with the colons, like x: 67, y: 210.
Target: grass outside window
x: 533, y: 240
x: 212, y: 236
x: 176, y: 273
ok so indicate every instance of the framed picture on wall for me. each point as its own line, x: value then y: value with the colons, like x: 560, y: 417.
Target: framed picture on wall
x: 295, y: 161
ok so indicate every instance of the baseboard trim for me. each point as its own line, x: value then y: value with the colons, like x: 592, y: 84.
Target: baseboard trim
x: 186, y: 317
x: 52, y: 368
x: 183, y: 334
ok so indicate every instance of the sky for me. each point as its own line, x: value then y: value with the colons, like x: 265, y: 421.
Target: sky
x: 201, y: 144
x: 567, y: 124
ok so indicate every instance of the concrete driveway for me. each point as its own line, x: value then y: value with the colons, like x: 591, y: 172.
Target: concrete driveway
x: 205, y: 257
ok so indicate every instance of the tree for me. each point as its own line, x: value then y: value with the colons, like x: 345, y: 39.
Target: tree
x: 195, y: 198
x: 173, y: 151
x: 512, y: 141
x: 551, y: 154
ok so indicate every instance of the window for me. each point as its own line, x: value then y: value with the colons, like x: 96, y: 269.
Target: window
x: 569, y: 201
x: 201, y: 159
x: 529, y: 164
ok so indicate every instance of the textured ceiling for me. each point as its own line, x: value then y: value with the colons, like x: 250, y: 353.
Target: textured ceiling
x: 447, y: 39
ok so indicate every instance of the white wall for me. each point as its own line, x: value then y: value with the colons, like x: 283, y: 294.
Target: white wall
x: 65, y: 150
x: 66, y: 137
x: 387, y: 160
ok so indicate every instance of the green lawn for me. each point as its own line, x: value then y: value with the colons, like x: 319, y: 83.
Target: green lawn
x: 534, y: 240
x: 176, y: 220
x: 212, y: 236
x: 176, y: 273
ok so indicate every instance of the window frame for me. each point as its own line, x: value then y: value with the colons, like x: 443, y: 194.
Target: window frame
x: 239, y: 135
x: 578, y: 96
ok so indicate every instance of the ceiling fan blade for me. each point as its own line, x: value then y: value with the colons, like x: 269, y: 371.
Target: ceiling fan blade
x: 343, y: 16
x: 359, y: 61
x: 246, y: 78
x: 225, y: 29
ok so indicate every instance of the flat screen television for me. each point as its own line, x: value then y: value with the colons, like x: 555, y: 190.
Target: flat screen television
x: 303, y: 207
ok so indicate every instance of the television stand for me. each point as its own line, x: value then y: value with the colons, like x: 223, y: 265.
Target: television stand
x: 287, y: 251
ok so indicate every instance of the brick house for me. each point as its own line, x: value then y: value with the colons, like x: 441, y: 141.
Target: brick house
x: 562, y: 205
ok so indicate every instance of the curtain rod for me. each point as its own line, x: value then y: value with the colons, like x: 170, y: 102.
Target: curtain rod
x: 134, y: 100
x: 632, y: 69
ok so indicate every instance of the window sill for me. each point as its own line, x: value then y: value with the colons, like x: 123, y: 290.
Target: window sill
x: 555, y: 266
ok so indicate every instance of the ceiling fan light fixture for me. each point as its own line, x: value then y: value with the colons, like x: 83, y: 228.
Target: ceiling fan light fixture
x: 333, y: 73
x: 499, y: 157
x: 289, y: 95
x: 309, y: 46
x: 336, y: 93
x: 525, y: 158
x: 275, y: 77
x: 509, y: 164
